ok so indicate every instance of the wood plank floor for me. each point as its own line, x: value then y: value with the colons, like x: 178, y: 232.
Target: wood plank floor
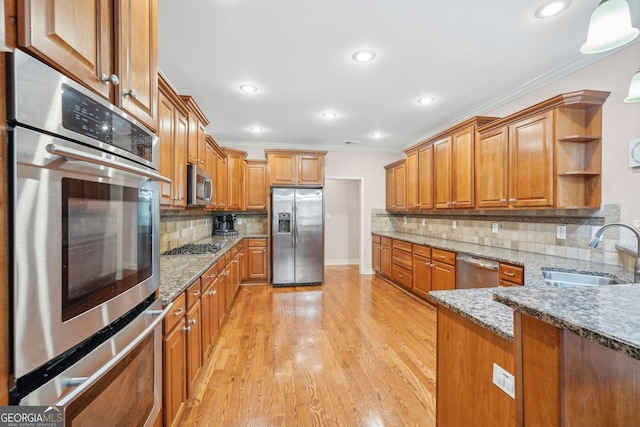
x: 353, y: 352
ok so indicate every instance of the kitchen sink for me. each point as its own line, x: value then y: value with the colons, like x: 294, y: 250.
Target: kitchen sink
x: 566, y: 279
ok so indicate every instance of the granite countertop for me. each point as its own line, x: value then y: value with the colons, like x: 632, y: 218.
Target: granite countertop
x: 177, y: 272
x: 605, y: 314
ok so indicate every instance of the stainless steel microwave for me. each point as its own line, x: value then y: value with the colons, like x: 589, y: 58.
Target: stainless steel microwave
x: 199, y: 186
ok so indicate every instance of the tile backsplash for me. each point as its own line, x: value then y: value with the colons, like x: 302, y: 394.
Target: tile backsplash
x: 531, y: 231
x: 178, y: 228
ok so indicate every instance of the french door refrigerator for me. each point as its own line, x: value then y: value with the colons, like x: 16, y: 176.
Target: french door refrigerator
x: 297, y: 236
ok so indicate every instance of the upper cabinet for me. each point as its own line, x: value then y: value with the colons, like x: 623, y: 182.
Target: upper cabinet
x: 235, y: 179
x: 108, y: 46
x: 396, y: 186
x: 256, y: 185
x: 197, y: 146
x: 549, y: 155
x: 296, y: 168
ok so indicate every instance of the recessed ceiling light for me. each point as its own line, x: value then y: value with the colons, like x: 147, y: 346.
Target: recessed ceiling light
x: 551, y: 8
x: 364, y: 55
x: 256, y: 129
x: 248, y: 88
x: 377, y: 135
x: 425, y: 100
x: 329, y: 115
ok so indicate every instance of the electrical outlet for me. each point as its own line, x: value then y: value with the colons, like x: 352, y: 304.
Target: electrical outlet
x: 404, y: 219
x: 504, y: 380
x: 454, y: 225
x: 239, y: 221
x: 328, y: 215
x: 561, y: 232
x: 494, y: 227
x: 424, y: 221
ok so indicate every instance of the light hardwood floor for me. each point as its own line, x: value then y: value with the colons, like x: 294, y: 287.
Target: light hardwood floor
x: 353, y: 352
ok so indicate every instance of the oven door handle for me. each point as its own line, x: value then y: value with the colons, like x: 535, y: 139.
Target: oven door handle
x: 70, y: 153
x: 83, y: 384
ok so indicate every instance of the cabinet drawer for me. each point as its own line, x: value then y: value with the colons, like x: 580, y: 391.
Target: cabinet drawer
x: 443, y: 256
x: 399, y: 244
x: 385, y: 241
x: 424, y: 251
x: 402, y: 258
x: 176, y: 314
x: 256, y: 242
x: 512, y: 273
x: 375, y: 238
x: 401, y: 276
x: 209, y: 276
x: 234, y: 250
x: 193, y: 293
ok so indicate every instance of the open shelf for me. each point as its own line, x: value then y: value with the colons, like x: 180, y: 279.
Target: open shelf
x: 578, y: 173
x: 580, y: 138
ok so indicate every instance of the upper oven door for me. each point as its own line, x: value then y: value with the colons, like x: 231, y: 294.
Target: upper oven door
x: 85, y: 243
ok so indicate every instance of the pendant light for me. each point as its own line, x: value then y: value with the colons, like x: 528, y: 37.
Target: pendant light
x: 634, y: 89
x: 609, y: 27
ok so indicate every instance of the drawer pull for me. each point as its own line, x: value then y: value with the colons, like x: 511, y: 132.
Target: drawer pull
x: 196, y: 293
x: 442, y: 257
x: 192, y: 321
x: 179, y: 312
x: 506, y: 273
x: 187, y: 329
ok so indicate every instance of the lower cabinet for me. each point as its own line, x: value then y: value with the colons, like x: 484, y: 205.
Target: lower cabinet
x: 385, y: 257
x: 376, y: 249
x: 175, y: 362
x: 256, y: 260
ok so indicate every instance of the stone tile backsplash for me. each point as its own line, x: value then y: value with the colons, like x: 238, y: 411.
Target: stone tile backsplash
x: 531, y: 231
x: 178, y: 228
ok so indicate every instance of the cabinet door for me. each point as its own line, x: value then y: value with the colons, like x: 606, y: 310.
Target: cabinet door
x: 181, y: 123
x: 235, y: 182
x: 531, y: 162
x: 166, y: 135
x: 390, y: 189
x: 257, y: 263
x: 421, y: 275
x: 211, y: 162
x: 73, y: 36
x: 282, y: 169
x: 442, y: 173
x: 385, y: 261
x: 194, y: 345
x: 443, y: 276
x: 462, y: 162
x: 425, y: 167
x: 221, y: 182
x: 413, y: 181
x: 375, y: 256
x: 256, y: 186
x: 222, y: 290
x: 137, y: 63
x: 491, y: 168
x: 310, y: 170
x: 202, y: 145
x: 175, y: 365
x: 192, y: 144
x: 400, y: 186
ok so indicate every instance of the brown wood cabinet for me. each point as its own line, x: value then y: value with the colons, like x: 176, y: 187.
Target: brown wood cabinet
x: 396, y: 186
x: 211, y: 160
x: 194, y: 343
x: 548, y: 155
x: 412, y: 180
x: 376, y: 252
x: 174, y: 362
x: 402, y: 264
x: 442, y: 173
x: 511, y: 275
x: 197, y: 144
x: 385, y: 257
x: 210, y: 317
x: 256, y: 259
x: 292, y: 168
x: 421, y: 270
x: 172, y: 131
x: 465, y: 393
x: 443, y: 272
x: 256, y: 189
x: 220, y: 183
x: 108, y: 46
x: 235, y: 179
x: 419, y: 172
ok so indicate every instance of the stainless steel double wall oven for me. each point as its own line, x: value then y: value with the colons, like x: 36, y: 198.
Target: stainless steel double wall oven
x: 85, y: 251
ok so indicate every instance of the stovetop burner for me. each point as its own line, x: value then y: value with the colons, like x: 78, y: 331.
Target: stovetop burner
x: 196, y: 248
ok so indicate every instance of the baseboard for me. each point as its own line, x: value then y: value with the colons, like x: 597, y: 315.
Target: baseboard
x: 367, y: 271
x: 341, y: 261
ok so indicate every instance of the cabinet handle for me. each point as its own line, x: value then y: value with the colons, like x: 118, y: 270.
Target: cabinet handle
x: 113, y: 79
x: 212, y: 276
x: 512, y: 199
x: 432, y: 265
x: 442, y: 257
x: 132, y: 93
x: 506, y: 273
x: 179, y: 312
x: 264, y: 250
x: 192, y: 321
x: 196, y: 293
x: 187, y: 329
x: 212, y: 293
x: 454, y: 203
x: 503, y: 200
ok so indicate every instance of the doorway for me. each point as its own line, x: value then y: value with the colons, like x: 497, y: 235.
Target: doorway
x: 343, y: 221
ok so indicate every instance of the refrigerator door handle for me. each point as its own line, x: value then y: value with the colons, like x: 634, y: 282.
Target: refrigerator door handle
x: 295, y: 225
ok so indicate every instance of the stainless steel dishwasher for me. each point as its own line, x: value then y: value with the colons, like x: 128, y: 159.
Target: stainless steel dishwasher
x: 474, y: 272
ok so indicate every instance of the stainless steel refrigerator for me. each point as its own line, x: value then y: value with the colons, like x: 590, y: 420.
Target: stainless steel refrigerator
x: 297, y: 236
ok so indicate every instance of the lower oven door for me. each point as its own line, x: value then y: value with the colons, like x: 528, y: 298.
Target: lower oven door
x: 119, y: 383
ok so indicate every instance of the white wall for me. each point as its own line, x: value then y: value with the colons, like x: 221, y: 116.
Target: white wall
x: 342, y: 221
x: 621, y: 123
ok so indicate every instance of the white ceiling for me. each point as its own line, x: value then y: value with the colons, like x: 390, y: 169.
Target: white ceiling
x: 471, y: 55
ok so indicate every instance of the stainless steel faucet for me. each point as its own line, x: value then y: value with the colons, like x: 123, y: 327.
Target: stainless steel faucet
x: 596, y: 239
